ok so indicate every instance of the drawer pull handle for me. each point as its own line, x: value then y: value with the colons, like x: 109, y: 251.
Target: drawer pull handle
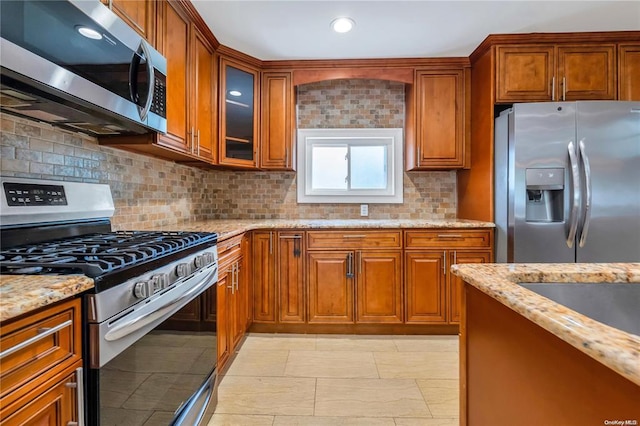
x: 230, y: 246
x: 42, y: 333
x: 449, y: 236
x: 290, y: 237
x: 355, y: 236
x: 79, y: 387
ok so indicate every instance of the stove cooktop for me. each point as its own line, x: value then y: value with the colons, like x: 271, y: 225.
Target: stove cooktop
x: 103, y: 254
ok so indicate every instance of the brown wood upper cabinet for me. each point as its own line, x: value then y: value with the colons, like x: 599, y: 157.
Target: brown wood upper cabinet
x: 629, y: 72
x: 138, y: 14
x: 544, y: 72
x: 191, y: 92
x: 277, y: 122
x: 239, y: 102
x: 440, y: 103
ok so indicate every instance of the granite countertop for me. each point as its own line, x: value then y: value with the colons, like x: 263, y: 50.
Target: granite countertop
x: 20, y: 294
x: 614, y: 348
x: 227, y: 228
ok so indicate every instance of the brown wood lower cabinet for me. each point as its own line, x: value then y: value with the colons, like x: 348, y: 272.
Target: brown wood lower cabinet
x: 39, y: 375
x: 432, y: 293
x: 425, y: 286
x: 378, y: 286
x: 232, y: 294
x: 509, y: 364
x: 330, y: 287
x: 355, y: 280
x: 54, y: 405
x: 224, y: 317
x: 290, y: 270
x: 456, y: 284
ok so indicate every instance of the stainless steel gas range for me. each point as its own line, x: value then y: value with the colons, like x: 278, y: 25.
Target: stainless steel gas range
x: 139, y: 370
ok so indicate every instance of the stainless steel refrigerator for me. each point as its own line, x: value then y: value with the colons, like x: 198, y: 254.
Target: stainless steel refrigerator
x: 567, y: 182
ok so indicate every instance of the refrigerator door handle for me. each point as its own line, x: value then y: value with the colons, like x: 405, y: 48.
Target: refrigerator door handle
x: 587, y: 207
x: 575, y: 203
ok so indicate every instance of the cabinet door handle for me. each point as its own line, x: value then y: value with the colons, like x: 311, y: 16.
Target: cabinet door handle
x: 42, y: 333
x: 444, y: 263
x: 418, y: 159
x: 350, y: 265
x: 232, y: 271
x: 360, y: 262
x: 564, y: 88
x: 192, y: 135
x: 270, y: 242
x: 237, y: 276
x: 198, y: 141
x: 79, y: 387
x: 553, y: 88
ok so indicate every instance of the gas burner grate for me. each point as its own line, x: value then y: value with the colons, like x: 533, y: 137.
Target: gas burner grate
x: 98, y: 254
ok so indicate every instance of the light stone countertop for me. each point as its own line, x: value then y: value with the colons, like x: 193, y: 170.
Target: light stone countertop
x: 614, y: 348
x: 20, y: 294
x: 227, y: 228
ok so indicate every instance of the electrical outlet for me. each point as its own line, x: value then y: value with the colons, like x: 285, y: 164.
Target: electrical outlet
x: 364, y: 209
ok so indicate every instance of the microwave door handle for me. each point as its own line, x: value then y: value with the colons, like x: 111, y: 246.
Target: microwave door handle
x: 161, y: 313
x: 575, y: 194
x: 588, y: 193
x: 151, y: 75
x: 133, y: 80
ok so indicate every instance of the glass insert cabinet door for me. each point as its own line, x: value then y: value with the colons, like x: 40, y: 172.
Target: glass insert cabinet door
x: 239, y: 123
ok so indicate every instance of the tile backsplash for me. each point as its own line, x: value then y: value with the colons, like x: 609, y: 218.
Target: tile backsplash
x: 146, y: 191
x: 150, y: 192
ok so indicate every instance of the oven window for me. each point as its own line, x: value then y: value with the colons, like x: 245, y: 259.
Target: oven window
x: 151, y: 379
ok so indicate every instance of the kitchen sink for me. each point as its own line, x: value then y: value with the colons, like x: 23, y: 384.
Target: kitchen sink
x: 613, y: 304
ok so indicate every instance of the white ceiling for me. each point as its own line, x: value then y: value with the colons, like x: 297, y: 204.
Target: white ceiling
x: 299, y: 29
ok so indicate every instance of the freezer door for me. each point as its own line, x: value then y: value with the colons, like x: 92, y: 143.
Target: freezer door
x: 609, y: 136
x: 542, y: 191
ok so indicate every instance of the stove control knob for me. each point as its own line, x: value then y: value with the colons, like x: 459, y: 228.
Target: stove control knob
x: 160, y: 281
x: 210, y: 258
x: 183, y: 269
x: 143, y: 289
x: 201, y: 261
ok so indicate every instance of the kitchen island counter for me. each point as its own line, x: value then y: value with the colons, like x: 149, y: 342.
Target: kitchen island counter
x: 21, y: 294
x: 616, y: 349
x: 227, y: 228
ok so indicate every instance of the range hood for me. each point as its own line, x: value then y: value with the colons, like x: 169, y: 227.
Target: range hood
x: 107, y: 81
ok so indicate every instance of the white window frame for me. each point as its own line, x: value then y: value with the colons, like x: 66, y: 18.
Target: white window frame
x: 393, y: 138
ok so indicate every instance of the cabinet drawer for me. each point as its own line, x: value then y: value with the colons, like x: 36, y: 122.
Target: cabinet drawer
x: 229, y: 251
x: 447, y: 239
x: 353, y: 239
x: 39, y: 347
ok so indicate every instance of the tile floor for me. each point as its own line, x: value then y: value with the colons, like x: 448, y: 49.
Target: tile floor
x: 324, y: 380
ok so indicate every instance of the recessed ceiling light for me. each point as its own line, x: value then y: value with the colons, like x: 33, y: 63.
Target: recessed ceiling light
x: 235, y: 93
x: 342, y: 25
x: 89, y: 32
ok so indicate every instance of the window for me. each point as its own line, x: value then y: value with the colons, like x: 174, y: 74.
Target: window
x: 350, y: 165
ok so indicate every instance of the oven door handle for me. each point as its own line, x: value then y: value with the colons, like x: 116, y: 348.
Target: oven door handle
x: 162, y: 312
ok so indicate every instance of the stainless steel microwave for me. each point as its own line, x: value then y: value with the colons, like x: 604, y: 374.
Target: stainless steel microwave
x: 77, y: 65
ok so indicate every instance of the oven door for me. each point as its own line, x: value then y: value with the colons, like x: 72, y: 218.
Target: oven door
x: 145, y: 369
